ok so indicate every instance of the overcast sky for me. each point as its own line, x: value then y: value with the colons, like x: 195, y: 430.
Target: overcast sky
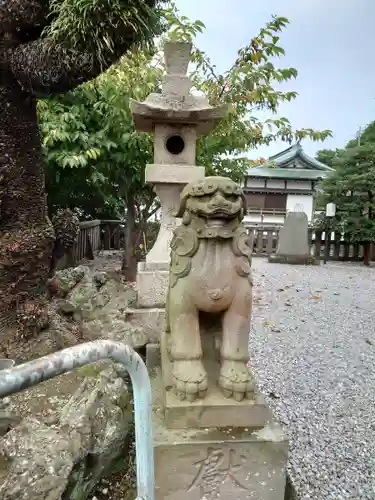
x: 330, y: 42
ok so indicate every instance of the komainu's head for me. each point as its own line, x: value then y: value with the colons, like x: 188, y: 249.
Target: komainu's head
x: 213, y: 198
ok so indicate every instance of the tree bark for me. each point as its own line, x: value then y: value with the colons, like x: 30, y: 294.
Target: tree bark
x: 31, y: 67
x: 129, y: 261
x: 366, y: 253
x: 26, y: 234
x: 43, y: 69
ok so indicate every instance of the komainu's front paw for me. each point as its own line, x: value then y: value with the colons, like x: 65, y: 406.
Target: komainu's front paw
x: 190, y: 379
x: 235, y: 380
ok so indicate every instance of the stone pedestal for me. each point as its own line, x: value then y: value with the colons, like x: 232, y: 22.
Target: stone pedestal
x: 213, y: 462
x: 149, y: 314
x: 214, y: 410
x: 214, y: 447
x: 152, y: 283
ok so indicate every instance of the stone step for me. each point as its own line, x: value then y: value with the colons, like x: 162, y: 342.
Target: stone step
x: 151, y: 320
x: 152, y: 288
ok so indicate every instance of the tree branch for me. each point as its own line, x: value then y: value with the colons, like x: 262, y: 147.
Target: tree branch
x: 32, y: 54
x: 22, y: 18
x: 43, y: 69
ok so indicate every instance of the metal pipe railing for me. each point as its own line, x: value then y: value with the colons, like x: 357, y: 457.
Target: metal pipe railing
x: 32, y: 373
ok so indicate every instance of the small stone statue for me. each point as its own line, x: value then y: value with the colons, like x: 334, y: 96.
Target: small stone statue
x: 210, y: 272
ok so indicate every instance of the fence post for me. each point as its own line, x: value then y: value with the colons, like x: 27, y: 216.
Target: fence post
x: 346, y: 250
x: 337, y: 249
x: 259, y: 242
x: 32, y: 373
x: 327, y: 245
x: 269, y: 247
x: 318, y: 244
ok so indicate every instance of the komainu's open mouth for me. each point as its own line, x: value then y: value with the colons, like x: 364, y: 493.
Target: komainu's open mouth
x: 220, y: 213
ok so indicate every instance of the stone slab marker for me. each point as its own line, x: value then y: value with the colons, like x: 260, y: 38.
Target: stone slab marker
x: 214, y: 437
x: 176, y: 118
x: 293, y: 245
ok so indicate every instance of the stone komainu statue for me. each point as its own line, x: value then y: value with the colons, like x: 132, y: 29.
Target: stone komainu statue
x: 210, y: 272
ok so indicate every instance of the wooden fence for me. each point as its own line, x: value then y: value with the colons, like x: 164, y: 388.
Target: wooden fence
x: 110, y: 235
x: 265, y: 243
x: 113, y: 235
x: 96, y: 235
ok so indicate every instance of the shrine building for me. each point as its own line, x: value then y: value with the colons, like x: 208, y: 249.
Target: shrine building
x: 285, y: 183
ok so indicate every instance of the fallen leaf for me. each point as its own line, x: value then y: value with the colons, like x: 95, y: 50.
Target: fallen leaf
x: 316, y: 297
x: 268, y: 323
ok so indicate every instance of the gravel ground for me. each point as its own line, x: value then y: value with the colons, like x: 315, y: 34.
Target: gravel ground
x: 313, y: 351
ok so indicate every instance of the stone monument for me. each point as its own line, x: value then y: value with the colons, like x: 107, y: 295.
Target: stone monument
x: 213, y: 435
x: 176, y: 118
x: 293, y: 245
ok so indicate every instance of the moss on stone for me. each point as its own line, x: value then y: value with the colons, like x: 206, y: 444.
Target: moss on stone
x: 4, y: 465
x: 92, y: 370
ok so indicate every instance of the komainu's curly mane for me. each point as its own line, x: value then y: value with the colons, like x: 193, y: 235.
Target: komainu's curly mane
x: 198, y: 211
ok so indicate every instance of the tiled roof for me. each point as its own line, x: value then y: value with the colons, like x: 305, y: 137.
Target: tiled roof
x: 279, y: 166
x: 286, y: 173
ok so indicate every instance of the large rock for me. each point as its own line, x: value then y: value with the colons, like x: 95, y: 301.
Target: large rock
x: 61, y: 333
x: 86, y: 305
x: 64, y: 460
x: 64, y: 281
x: 99, y: 303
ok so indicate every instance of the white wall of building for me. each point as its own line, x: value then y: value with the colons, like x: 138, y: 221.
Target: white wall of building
x: 300, y: 202
x: 293, y: 185
x: 265, y: 219
x: 255, y: 183
x: 275, y: 184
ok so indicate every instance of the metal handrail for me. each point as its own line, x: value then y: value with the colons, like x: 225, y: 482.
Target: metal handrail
x: 32, y: 373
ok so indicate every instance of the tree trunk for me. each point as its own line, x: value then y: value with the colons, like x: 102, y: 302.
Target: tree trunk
x: 33, y: 66
x: 26, y: 234
x: 129, y: 261
x: 366, y: 253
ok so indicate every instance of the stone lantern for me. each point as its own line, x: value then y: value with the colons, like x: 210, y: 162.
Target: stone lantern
x: 176, y: 118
